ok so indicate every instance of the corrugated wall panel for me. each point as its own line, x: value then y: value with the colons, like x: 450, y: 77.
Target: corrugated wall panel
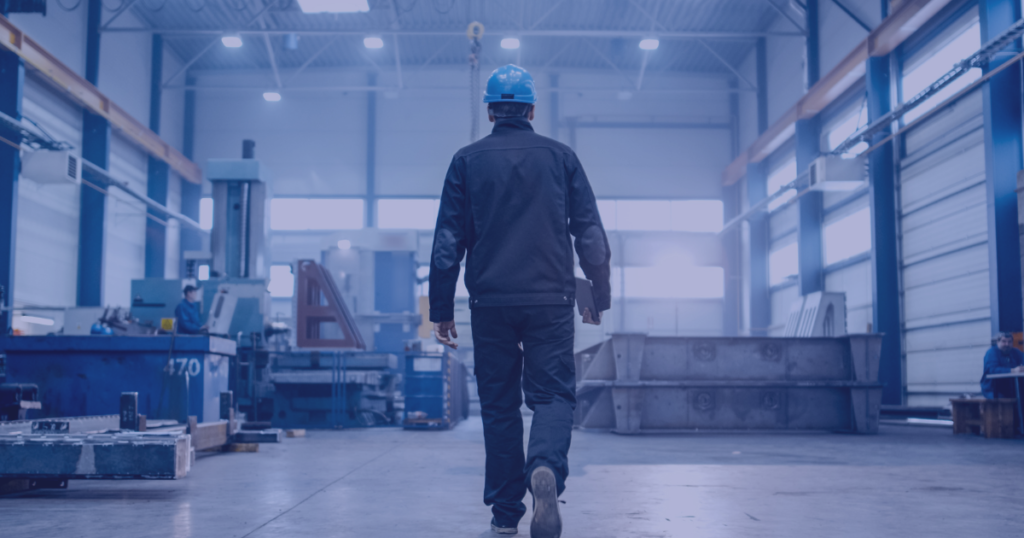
x: 855, y: 282
x: 46, y: 260
x: 782, y: 301
x: 783, y: 221
x: 945, y: 270
x: 124, y: 249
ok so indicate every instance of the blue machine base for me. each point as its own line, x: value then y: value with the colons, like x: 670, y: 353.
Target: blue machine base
x: 85, y: 375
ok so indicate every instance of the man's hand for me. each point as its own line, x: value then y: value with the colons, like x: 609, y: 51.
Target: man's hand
x: 589, y: 318
x: 441, y: 333
x: 1016, y: 370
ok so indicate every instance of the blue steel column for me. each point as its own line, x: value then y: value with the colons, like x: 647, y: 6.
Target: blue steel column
x: 808, y: 147
x: 811, y: 208
x: 885, y: 292
x: 191, y: 239
x: 731, y: 244
x: 757, y: 190
x: 1002, y: 108
x: 760, y: 297
x: 95, y: 149
x: 371, y: 154
x: 12, y: 79
x: 158, y: 171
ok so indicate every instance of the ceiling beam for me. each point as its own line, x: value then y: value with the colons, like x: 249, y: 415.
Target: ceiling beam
x: 454, y: 89
x: 727, y: 65
x: 447, y: 33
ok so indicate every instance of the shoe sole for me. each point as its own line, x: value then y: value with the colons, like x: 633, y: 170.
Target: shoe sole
x: 503, y: 530
x: 547, y: 523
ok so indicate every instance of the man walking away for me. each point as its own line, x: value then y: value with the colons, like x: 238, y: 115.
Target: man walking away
x: 510, y: 203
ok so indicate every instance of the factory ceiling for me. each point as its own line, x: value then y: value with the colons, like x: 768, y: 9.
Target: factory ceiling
x: 696, y: 36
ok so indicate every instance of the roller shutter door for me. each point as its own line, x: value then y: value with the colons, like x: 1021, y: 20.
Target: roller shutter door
x: 944, y: 249
x: 46, y: 259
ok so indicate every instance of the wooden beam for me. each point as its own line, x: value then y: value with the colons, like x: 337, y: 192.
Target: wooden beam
x: 88, y: 96
x: 893, y: 31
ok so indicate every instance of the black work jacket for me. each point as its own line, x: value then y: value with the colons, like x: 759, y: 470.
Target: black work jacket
x: 510, y: 203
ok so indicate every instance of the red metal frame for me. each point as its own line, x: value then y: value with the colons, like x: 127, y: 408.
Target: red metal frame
x: 318, y: 301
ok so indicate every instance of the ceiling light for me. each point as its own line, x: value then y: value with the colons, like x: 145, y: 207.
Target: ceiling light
x: 373, y: 42
x: 510, y: 43
x: 231, y: 41
x: 271, y: 96
x: 334, y: 6
x: 344, y: 244
x: 649, y: 44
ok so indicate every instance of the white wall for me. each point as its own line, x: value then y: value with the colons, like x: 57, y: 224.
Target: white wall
x: 315, y: 142
x: 61, y: 33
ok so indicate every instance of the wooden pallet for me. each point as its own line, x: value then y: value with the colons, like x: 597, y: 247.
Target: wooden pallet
x: 981, y: 416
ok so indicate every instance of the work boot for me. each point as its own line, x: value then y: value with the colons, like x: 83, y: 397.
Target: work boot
x: 547, y: 523
x: 503, y: 529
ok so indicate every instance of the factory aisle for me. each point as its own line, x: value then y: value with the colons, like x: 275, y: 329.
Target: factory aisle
x: 393, y: 483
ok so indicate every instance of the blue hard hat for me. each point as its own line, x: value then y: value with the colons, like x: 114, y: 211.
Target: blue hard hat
x: 510, y: 84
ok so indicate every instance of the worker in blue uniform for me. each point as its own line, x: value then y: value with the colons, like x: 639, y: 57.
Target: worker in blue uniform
x: 512, y: 203
x: 1001, y: 358
x: 188, y: 319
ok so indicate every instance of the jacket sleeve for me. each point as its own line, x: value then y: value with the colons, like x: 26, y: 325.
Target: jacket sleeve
x: 992, y: 363
x: 449, y: 245
x: 591, y: 241
x: 188, y: 322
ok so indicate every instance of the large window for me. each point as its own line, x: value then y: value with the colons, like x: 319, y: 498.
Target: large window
x: 206, y: 213
x: 921, y: 70
x: 779, y: 178
x: 783, y: 264
x: 848, y: 236
x: 407, y: 213
x: 293, y: 214
x: 695, y: 216
x: 845, y: 128
x: 282, y: 281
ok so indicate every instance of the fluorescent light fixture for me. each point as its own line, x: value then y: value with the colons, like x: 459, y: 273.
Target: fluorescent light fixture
x: 334, y: 6
x: 649, y: 44
x: 344, y: 244
x: 231, y: 41
x: 510, y: 43
x: 373, y: 42
x: 36, y: 320
x: 271, y: 96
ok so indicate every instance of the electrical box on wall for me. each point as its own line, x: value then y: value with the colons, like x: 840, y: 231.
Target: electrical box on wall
x: 52, y: 167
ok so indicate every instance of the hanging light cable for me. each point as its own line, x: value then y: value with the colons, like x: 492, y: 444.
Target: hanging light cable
x: 475, y: 32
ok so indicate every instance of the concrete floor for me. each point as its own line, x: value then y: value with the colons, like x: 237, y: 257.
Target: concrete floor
x: 392, y: 483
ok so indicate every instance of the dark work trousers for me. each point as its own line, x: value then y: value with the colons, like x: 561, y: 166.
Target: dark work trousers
x: 544, y: 369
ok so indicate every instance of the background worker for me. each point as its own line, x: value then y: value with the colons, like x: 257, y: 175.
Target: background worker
x: 1001, y: 358
x: 188, y: 319
x: 510, y: 203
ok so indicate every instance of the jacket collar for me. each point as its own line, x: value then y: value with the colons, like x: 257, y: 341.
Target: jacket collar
x: 512, y: 124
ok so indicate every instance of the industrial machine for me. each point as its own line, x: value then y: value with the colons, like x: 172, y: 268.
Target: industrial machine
x: 176, y: 376
x: 436, y: 394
